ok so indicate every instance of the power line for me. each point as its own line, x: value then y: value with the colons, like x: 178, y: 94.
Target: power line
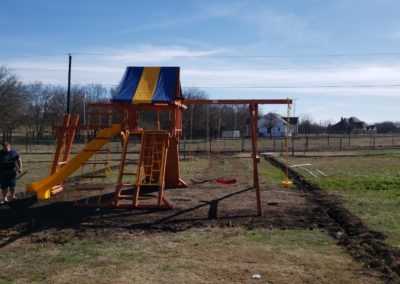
x: 299, y: 87
x: 364, y: 86
x: 34, y: 56
x: 253, y: 55
x: 200, y: 56
x: 257, y: 68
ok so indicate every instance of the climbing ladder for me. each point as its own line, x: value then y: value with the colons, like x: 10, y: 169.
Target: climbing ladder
x: 66, y: 135
x: 127, y: 176
x: 149, y: 174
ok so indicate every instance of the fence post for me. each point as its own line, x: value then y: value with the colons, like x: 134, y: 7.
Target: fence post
x: 328, y: 140
x: 210, y: 145
x: 349, y: 139
x: 243, y: 144
x: 340, y: 143
x: 373, y: 143
x: 306, y: 144
x: 274, y: 144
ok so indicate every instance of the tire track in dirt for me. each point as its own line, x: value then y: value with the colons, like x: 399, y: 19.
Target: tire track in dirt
x: 362, y: 243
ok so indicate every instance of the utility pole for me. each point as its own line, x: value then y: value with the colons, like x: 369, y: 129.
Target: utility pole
x: 84, y: 108
x: 69, y: 82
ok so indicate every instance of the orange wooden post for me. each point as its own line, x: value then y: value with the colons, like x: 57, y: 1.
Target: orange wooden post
x: 70, y: 137
x: 172, y: 175
x: 253, y: 107
x: 60, y: 143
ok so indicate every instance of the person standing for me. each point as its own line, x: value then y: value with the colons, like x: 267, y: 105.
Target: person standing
x: 10, y: 164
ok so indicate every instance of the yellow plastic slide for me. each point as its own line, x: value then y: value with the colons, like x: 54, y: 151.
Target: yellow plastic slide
x: 43, y: 187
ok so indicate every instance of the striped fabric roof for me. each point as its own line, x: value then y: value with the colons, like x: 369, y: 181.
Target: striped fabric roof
x: 147, y: 85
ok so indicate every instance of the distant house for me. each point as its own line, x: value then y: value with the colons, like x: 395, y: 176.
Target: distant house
x: 230, y: 134
x: 351, y: 125
x: 372, y: 129
x: 274, y: 125
x: 294, y: 124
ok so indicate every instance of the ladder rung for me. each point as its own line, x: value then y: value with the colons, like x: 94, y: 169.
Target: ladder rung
x: 125, y: 196
x: 122, y: 187
x: 56, y: 189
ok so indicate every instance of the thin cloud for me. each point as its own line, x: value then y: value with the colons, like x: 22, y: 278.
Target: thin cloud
x: 162, y: 24
x: 106, y: 66
x: 267, y: 21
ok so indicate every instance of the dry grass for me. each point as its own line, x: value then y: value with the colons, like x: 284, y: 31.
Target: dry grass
x: 213, y: 255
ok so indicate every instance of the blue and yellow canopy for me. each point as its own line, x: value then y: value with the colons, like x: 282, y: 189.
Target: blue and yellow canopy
x: 148, y: 85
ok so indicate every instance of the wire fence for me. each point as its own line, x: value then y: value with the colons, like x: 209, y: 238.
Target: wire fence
x: 297, y: 144
x: 311, y: 143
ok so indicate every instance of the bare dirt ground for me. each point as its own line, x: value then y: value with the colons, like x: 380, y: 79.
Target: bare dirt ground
x: 203, y: 205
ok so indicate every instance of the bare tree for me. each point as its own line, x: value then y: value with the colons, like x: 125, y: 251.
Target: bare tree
x: 269, y: 121
x: 39, y: 109
x: 95, y: 93
x: 12, y: 102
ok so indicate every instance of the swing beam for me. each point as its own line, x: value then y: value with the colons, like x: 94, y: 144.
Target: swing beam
x: 253, y: 110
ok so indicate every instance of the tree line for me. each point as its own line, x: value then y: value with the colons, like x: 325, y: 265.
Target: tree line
x: 308, y: 126
x: 37, y: 107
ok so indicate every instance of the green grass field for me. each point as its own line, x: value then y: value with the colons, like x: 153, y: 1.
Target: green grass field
x: 369, y: 185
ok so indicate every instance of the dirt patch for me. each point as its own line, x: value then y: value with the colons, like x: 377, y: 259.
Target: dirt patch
x: 202, y: 205
x: 199, y: 205
x: 361, y: 242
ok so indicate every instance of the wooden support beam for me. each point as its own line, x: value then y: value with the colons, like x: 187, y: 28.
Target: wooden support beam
x: 237, y: 102
x: 253, y: 108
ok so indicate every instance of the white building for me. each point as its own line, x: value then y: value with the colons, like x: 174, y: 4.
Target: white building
x: 230, y: 134
x: 274, y: 125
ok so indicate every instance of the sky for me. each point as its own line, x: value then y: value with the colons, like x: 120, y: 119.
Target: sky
x: 334, y: 58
